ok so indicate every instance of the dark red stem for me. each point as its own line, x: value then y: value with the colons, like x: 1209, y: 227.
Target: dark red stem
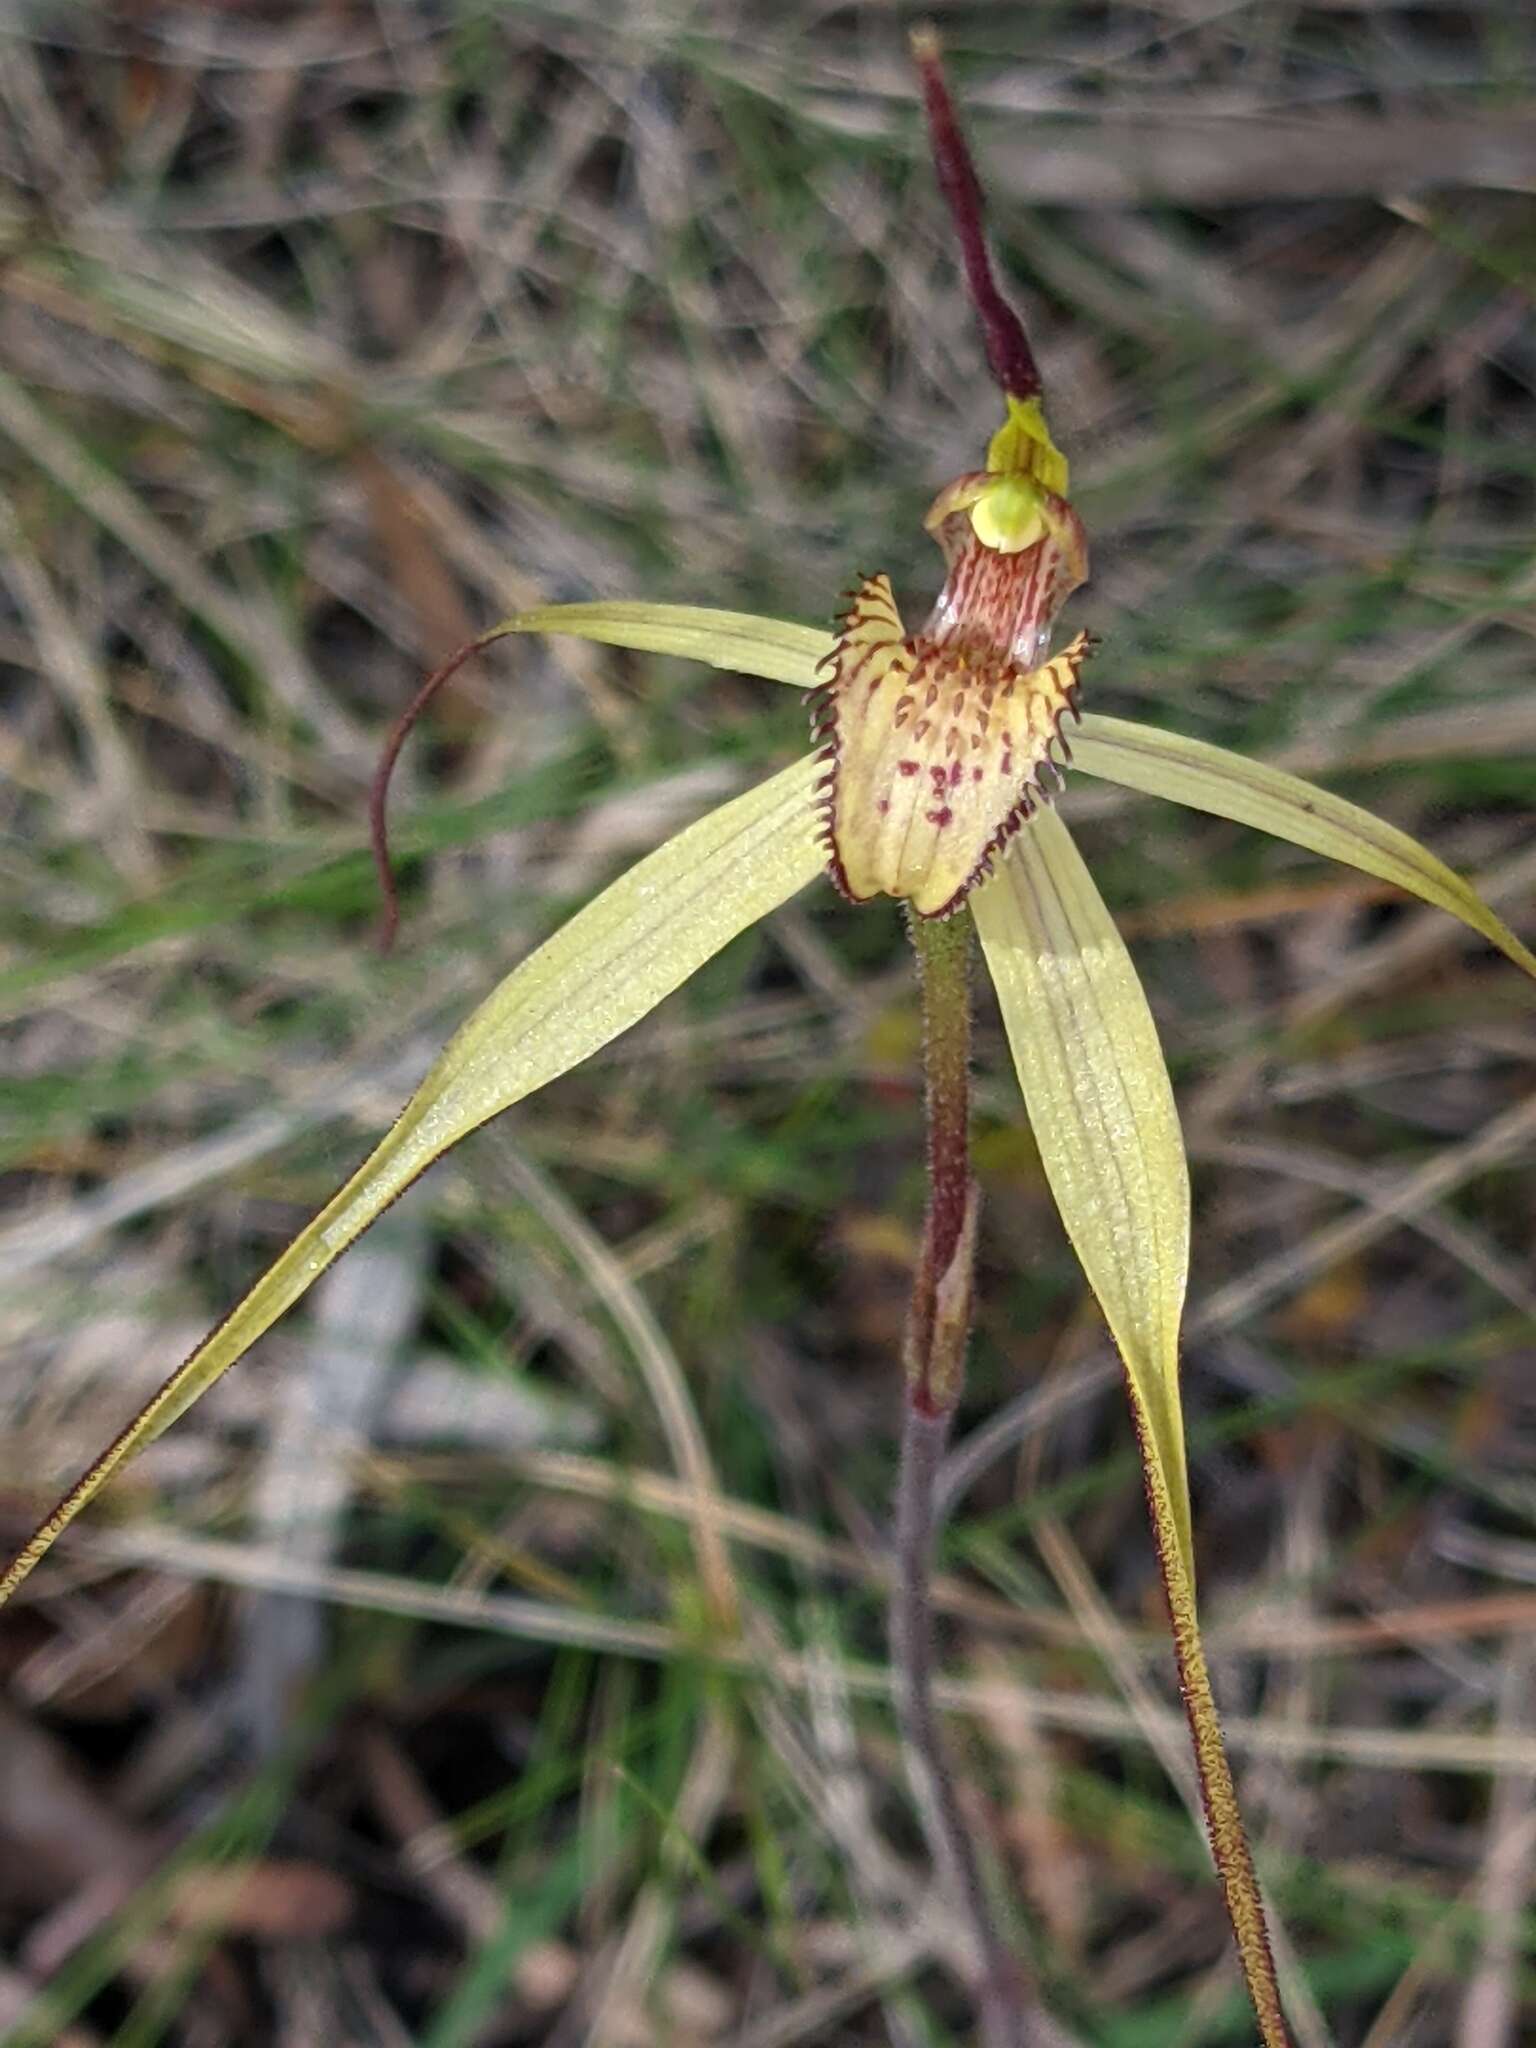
x: 939, y: 1320
x: 938, y: 1326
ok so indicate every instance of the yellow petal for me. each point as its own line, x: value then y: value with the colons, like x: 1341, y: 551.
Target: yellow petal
x: 937, y: 752
x: 775, y: 649
x: 1212, y: 779
x: 603, y: 971
x: 1099, y: 1099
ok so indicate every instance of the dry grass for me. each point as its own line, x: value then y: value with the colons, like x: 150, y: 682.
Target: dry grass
x: 328, y: 335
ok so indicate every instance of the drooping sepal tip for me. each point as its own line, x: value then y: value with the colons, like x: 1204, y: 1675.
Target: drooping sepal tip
x: 1009, y: 355
x: 378, y: 792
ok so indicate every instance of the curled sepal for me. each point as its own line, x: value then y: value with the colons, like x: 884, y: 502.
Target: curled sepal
x: 603, y: 971
x: 1209, y: 778
x: 773, y: 648
x: 936, y: 752
x: 1097, y: 1091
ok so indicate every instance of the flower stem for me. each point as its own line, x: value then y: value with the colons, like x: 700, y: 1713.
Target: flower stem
x: 937, y: 1329
x: 940, y: 1318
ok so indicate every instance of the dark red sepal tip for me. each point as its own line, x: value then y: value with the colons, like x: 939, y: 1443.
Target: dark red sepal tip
x: 1009, y: 354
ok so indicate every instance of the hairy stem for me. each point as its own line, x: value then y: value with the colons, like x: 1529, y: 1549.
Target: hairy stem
x: 940, y: 1318
x: 1218, y: 1794
x: 937, y: 1329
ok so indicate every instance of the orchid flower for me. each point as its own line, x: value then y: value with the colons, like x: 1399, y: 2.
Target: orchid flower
x: 936, y: 756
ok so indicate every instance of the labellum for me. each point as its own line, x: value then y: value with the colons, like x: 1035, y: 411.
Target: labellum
x: 938, y: 746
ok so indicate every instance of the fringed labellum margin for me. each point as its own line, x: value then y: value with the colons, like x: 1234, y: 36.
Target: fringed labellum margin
x: 938, y: 747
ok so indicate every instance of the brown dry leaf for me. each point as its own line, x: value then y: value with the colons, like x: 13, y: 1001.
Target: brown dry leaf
x: 1055, y: 1875
x: 871, y: 1234
x: 57, y: 1832
x: 407, y: 539
x: 277, y: 1899
x: 1330, y: 1308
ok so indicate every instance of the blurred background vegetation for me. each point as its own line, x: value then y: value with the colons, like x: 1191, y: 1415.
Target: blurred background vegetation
x: 378, y: 1706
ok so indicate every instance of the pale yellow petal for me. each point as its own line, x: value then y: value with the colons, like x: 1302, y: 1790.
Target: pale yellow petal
x: 603, y: 971
x: 775, y: 649
x: 1101, y: 1105
x: 1209, y: 778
